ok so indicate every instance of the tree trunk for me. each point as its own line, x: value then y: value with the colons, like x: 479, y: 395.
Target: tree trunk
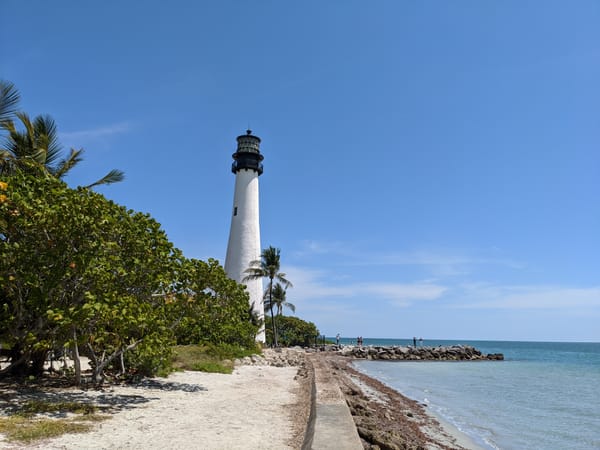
x: 122, y: 358
x: 76, y: 358
x: 38, y: 358
x: 18, y: 359
x: 17, y: 363
x: 98, y: 373
x: 275, y: 343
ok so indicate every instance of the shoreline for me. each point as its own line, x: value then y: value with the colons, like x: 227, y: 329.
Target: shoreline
x: 386, y: 418
x: 461, y: 438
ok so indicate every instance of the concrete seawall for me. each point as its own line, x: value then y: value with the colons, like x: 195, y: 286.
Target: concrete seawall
x: 333, y: 427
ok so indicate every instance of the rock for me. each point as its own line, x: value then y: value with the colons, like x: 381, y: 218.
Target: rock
x: 378, y: 438
x: 452, y: 353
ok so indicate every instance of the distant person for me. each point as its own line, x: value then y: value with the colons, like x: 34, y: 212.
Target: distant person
x: 414, y: 341
x: 337, y: 339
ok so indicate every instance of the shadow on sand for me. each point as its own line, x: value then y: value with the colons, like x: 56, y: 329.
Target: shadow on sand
x: 14, y: 396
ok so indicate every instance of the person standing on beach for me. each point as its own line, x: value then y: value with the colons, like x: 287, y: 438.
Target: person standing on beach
x: 337, y: 339
x: 414, y: 341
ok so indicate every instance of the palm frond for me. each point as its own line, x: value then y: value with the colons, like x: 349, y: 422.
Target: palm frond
x: 9, y: 99
x: 47, y: 137
x: 74, y: 158
x: 254, y: 273
x: 26, y: 121
x: 114, y: 176
x: 281, y: 277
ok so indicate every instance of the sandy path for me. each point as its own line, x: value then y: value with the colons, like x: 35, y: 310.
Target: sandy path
x: 250, y: 409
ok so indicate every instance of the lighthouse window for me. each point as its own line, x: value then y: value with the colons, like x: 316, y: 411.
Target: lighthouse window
x: 235, y: 211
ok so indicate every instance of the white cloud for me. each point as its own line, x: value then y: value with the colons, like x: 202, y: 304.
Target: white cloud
x: 529, y: 297
x: 95, y: 133
x: 336, y: 285
x: 312, y: 247
x: 440, y: 263
x: 405, y: 294
x: 313, y: 284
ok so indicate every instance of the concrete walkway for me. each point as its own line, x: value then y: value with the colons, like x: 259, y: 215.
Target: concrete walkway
x: 334, y: 426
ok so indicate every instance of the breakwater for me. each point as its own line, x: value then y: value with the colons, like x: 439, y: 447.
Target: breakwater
x: 408, y: 353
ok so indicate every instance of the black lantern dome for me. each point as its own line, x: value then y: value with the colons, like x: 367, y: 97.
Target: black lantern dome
x: 248, y: 154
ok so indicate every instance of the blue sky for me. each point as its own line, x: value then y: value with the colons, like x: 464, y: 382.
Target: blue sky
x: 432, y: 168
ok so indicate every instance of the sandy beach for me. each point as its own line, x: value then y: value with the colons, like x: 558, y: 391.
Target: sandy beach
x: 264, y: 404
x: 256, y: 407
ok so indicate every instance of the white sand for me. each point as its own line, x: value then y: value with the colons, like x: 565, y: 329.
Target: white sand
x: 249, y: 409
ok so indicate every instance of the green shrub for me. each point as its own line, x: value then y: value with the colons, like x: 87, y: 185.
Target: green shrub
x: 292, y: 331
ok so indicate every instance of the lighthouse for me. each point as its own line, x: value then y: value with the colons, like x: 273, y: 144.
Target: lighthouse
x: 244, y: 235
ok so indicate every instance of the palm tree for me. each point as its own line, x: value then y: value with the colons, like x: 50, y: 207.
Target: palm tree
x: 268, y: 266
x: 36, y: 149
x: 279, y: 300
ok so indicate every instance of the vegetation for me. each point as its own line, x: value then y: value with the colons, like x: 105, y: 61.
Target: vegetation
x: 211, y: 308
x: 279, y: 300
x: 83, y: 276
x: 33, y: 407
x: 294, y: 331
x: 9, y: 100
x: 268, y: 267
x: 35, y: 148
x: 22, y: 429
x: 78, y: 271
x: 25, y: 424
x: 210, y: 357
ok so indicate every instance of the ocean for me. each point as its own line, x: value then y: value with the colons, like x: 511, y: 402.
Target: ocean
x: 543, y: 396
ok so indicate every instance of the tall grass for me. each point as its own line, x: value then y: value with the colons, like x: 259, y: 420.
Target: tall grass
x: 209, y: 357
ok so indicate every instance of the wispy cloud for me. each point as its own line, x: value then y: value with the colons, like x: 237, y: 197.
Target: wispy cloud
x: 406, y: 294
x: 318, y: 285
x: 440, y: 263
x: 479, y: 295
x: 95, y: 133
x: 323, y: 285
x: 429, y: 258
x: 313, y: 247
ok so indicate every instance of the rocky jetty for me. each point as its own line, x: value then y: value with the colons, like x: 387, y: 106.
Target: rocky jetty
x: 278, y: 357
x: 407, y: 353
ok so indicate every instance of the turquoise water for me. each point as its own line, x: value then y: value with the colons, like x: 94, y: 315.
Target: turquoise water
x: 545, y: 395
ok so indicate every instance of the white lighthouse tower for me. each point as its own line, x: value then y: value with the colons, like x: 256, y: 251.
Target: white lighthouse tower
x: 244, y: 235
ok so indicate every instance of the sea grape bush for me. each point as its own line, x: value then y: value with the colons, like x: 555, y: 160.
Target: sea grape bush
x: 293, y: 331
x: 211, y: 307
x: 82, y: 273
